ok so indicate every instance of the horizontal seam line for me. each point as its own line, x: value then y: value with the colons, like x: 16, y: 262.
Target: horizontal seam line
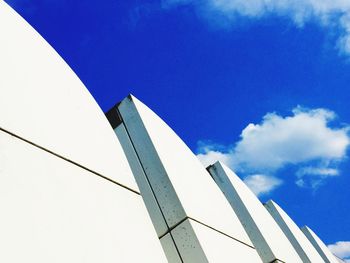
x: 212, y: 228
x: 174, y: 226
x: 221, y: 232
x: 68, y: 160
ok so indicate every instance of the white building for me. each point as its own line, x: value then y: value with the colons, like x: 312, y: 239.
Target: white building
x: 73, y: 189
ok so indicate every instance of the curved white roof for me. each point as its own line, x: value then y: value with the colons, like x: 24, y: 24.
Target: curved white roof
x: 266, y: 235
x: 318, y: 244
x: 44, y: 102
x: 301, y: 244
x: 55, y: 145
x: 182, y: 184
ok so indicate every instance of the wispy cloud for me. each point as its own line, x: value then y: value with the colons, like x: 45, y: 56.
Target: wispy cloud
x: 262, y: 184
x: 341, y: 249
x: 305, y: 140
x: 332, y: 15
x: 314, y: 175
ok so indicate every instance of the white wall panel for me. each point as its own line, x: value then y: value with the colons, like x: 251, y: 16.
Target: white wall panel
x: 181, y: 184
x: 318, y: 244
x: 217, y: 247
x: 301, y: 244
x: 266, y: 235
x: 54, y: 211
x: 43, y: 101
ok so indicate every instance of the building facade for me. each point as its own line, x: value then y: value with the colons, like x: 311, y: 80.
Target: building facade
x: 79, y: 186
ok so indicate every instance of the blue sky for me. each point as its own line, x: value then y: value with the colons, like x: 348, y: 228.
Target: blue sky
x: 261, y: 85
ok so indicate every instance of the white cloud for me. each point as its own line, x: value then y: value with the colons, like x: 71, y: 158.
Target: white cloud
x: 211, y: 157
x: 262, y: 184
x: 333, y: 15
x: 278, y: 141
x: 341, y: 249
x: 304, y: 140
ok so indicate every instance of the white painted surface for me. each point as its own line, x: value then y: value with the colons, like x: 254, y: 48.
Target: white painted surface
x: 43, y: 101
x: 266, y: 235
x: 216, y: 246
x: 301, y: 244
x: 322, y: 249
x: 182, y: 185
x: 53, y: 211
